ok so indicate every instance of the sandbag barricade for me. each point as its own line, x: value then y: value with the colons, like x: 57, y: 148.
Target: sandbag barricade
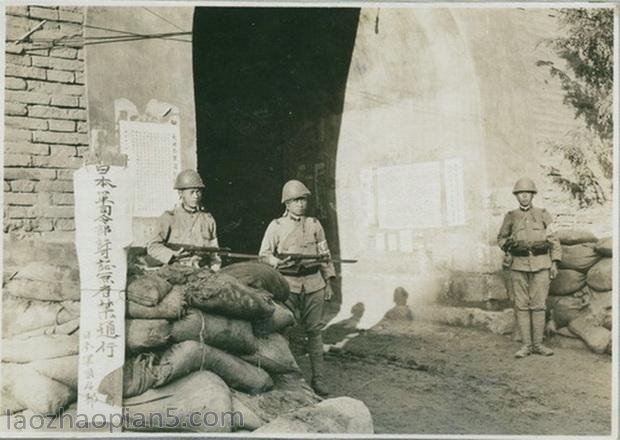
x: 260, y: 276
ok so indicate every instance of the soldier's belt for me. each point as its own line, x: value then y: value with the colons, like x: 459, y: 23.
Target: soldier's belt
x: 298, y: 271
x: 527, y: 252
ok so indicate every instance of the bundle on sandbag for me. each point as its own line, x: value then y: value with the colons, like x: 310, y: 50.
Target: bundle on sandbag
x: 63, y: 370
x: 45, y: 282
x: 147, y: 289
x: 567, y: 308
x: 39, y: 347
x: 341, y: 415
x: 273, y: 355
x: 579, y: 257
x: 142, y: 334
x: 189, y: 356
x: 201, y: 392
x: 281, y: 318
x: 597, y: 338
x: 604, y: 247
x: 41, y: 394
x: 20, y: 315
x: 172, y: 306
x: 8, y: 403
x: 567, y: 281
x: 260, y: 276
x: 232, y: 335
x: 67, y: 328
x: 575, y: 236
x: 140, y: 373
x: 223, y: 294
x: 177, y: 273
x: 599, y: 276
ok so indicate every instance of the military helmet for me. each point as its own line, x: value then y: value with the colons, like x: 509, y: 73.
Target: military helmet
x: 188, y: 179
x: 524, y: 184
x: 294, y: 189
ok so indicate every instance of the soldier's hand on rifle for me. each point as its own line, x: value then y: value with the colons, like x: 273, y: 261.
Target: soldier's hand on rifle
x: 276, y: 262
x: 179, y: 255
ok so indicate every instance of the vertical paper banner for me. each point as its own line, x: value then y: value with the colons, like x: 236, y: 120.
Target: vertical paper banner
x: 103, y: 216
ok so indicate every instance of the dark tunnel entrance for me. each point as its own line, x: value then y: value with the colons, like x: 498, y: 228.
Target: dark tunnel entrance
x: 269, y: 91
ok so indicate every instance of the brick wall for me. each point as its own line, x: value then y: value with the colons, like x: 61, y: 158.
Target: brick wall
x: 45, y: 122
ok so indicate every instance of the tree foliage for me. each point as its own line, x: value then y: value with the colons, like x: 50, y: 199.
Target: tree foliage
x: 586, y: 77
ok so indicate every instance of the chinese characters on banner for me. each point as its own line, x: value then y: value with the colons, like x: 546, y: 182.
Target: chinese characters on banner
x: 103, y: 218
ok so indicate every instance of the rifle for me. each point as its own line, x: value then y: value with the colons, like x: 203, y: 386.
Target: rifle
x: 307, y: 264
x: 203, y: 251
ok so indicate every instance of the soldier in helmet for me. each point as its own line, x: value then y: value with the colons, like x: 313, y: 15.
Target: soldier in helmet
x: 187, y: 223
x: 296, y: 233
x: 534, y: 251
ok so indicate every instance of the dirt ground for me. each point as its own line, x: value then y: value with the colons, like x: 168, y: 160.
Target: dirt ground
x: 425, y: 378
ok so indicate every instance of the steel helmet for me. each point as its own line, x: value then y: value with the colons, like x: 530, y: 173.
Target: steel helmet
x: 294, y: 189
x: 524, y: 184
x: 188, y: 179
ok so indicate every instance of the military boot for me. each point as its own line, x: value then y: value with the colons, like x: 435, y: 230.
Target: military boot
x: 523, y: 320
x: 315, y: 351
x: 538, y: 331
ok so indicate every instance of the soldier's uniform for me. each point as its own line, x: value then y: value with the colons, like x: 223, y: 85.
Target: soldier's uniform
x: 303, y: 235
x: 525, y: 235
x: 186, y: 227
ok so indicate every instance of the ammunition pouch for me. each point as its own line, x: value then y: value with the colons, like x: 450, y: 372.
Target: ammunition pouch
x: 298, y: 271
x: 521, y: 249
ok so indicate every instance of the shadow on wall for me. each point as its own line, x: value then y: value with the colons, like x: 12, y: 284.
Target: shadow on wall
x: 269, y: 91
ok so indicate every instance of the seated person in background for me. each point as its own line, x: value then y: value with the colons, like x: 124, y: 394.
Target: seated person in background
x: 188, y: 223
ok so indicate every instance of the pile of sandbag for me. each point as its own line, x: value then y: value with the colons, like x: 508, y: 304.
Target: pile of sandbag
x: 181, y: 321
x: 40, y: 322
x: 580, y: 296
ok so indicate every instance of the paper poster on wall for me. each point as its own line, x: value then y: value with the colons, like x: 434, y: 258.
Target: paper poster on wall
x: 409, y: 196
x: 154, y: 158
x: 455, y: 193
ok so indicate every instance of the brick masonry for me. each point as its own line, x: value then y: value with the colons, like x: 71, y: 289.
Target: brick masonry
x: 46, y: 131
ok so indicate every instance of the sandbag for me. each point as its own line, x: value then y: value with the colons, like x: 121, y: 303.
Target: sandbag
x: 45, y: 282
x: 260, y: 276
x: 171, y: 307
x: 596, y: 337
x: 604, y: 247
x: 148, y: 289
x: 200, y: 392
x: 245, y: 419
x: 139, y: 374
x: 599, y: 277
x: 232, y: 335
x: 341, y: 415
x: 579, y: 257
x: 223, y: 294
x: 566, y: 308
x: 8, y: 402
x: 273, y: 355
x: 68, y: 328
x: 39, y: 347
x: 565, y: 331
x: 41, y: 394
x: 566, y: 282
x: 575, y: 236
x: 63, y: 370
x: 20, y: 315
x: 189, y: 356
x: 601, y: 308
x: 281, y: 318
x: 146, y: 333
